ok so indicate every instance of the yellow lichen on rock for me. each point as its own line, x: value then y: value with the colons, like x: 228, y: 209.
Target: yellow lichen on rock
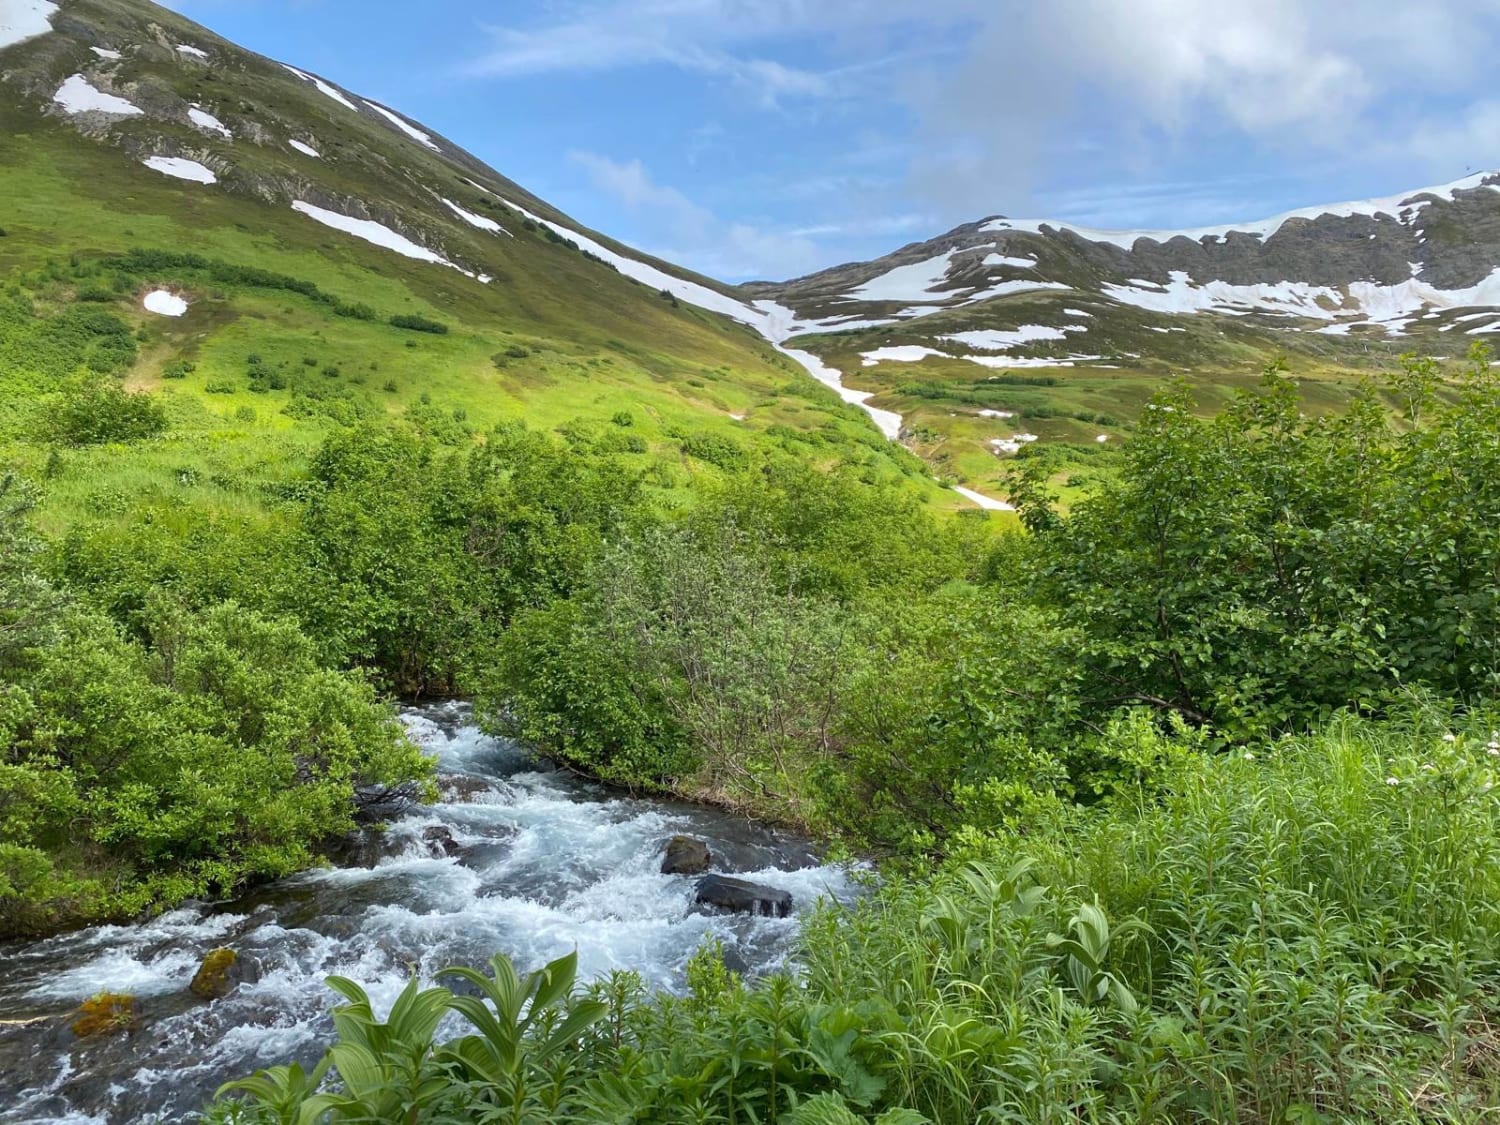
x: 105, y: 1013
x: 212, y: 980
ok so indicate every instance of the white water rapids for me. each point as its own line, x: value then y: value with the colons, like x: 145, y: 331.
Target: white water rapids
x: 548, y: 863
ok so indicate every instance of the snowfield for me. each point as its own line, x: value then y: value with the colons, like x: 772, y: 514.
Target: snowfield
x: 181, y: 168
x: 163, y: 303
x: 909, y: 283
x: 195, y: 52
x: 1388, y: 306
x: 21, y: 20
x: 78, y: 95
x: 406, y: 127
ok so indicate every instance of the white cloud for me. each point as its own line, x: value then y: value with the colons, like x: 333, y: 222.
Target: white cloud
x: 675, y: 228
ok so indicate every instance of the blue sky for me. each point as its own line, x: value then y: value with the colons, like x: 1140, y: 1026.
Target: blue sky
x: 768, y: 138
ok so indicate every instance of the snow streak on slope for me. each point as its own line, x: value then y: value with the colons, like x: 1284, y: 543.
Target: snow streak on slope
x: 322, y: 86
x: 410, y: 130
x: 374, y: 232
x: 471, y: 218
x: 21, y: 20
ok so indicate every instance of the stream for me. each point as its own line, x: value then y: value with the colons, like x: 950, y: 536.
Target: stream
x: 546, y: 863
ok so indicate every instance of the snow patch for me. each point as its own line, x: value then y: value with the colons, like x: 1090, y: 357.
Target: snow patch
x: 997, y: 414
x: 1004, y: 260
x: 1005, y: 288
x: 106, y: 53
x: 163, y: 303
x: 181, y: 168
x: 480, y: 221
x: 913, y: 282
x: 78, y: 95
x: 196, y: 52
x: 205, y: 120
x: 323, y: 87
x: 1029, y: 361
x: 988, y: 503
x: 901, y: 353
x: 410, y: 130
x: 1077, y: 312
x: 305, y: 149
x: 21, y: 20
x: 999, y: 340
x: 1102, y: 438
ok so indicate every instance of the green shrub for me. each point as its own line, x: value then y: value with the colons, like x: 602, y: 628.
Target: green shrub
x: 413, y: 323
x: 102, y: 411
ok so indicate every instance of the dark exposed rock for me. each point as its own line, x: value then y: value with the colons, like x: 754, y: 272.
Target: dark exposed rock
x: 685, y: 856
x: 440, y: 841
x: 740, y: 896
x: 217, y: 975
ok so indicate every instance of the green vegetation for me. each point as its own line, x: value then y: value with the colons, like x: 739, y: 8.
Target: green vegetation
x: 1188, y: 794
x: 1305, y: 932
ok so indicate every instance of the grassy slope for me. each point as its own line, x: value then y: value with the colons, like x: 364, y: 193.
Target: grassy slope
x: 597, y: 342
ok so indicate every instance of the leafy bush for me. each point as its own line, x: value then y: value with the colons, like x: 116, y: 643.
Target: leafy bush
x: 415, y: 323
x: 100, y: 411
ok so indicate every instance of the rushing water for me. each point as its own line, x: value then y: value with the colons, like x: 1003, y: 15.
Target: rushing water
x: 548, y: 863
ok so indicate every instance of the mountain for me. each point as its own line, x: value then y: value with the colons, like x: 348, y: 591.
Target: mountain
x: 289, y: 255
x: 1005, y: 332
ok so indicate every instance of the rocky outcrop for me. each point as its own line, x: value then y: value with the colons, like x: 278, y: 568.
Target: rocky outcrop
x: 740, y: 896
x: 685, y: 856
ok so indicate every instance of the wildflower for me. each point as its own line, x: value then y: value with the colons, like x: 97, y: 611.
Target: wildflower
x: 1249, y: 757
x: 1450, y: 738
x: 1428, y: 767
x: 1493, y: 748
x: 1393, y: 781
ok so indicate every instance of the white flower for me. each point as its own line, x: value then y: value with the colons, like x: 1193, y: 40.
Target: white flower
x: 1393, y: 781
x: 1450, y: 738
x: 1249, y: 757
x: 1428, y: 767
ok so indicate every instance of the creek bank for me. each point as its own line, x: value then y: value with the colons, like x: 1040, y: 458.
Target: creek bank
x: 548, y: 863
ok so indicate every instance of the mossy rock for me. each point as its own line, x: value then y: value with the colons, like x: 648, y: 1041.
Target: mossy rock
x: 216, y: 975
x: 105, y: 1014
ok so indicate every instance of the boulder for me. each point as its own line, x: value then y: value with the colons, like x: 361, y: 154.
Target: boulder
x: 740, y: 896
x: 440, y: 841
x: 217, y: 975
x: 685, y: 856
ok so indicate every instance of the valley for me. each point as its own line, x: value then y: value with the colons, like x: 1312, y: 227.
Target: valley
x: 418, y: 609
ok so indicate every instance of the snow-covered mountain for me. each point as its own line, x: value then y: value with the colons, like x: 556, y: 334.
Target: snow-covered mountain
x: 1429, y: 258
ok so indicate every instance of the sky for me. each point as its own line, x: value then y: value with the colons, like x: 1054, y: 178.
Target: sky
x: 770, y: 138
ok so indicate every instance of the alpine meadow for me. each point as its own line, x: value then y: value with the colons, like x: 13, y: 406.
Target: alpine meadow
x: 456, y: 667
